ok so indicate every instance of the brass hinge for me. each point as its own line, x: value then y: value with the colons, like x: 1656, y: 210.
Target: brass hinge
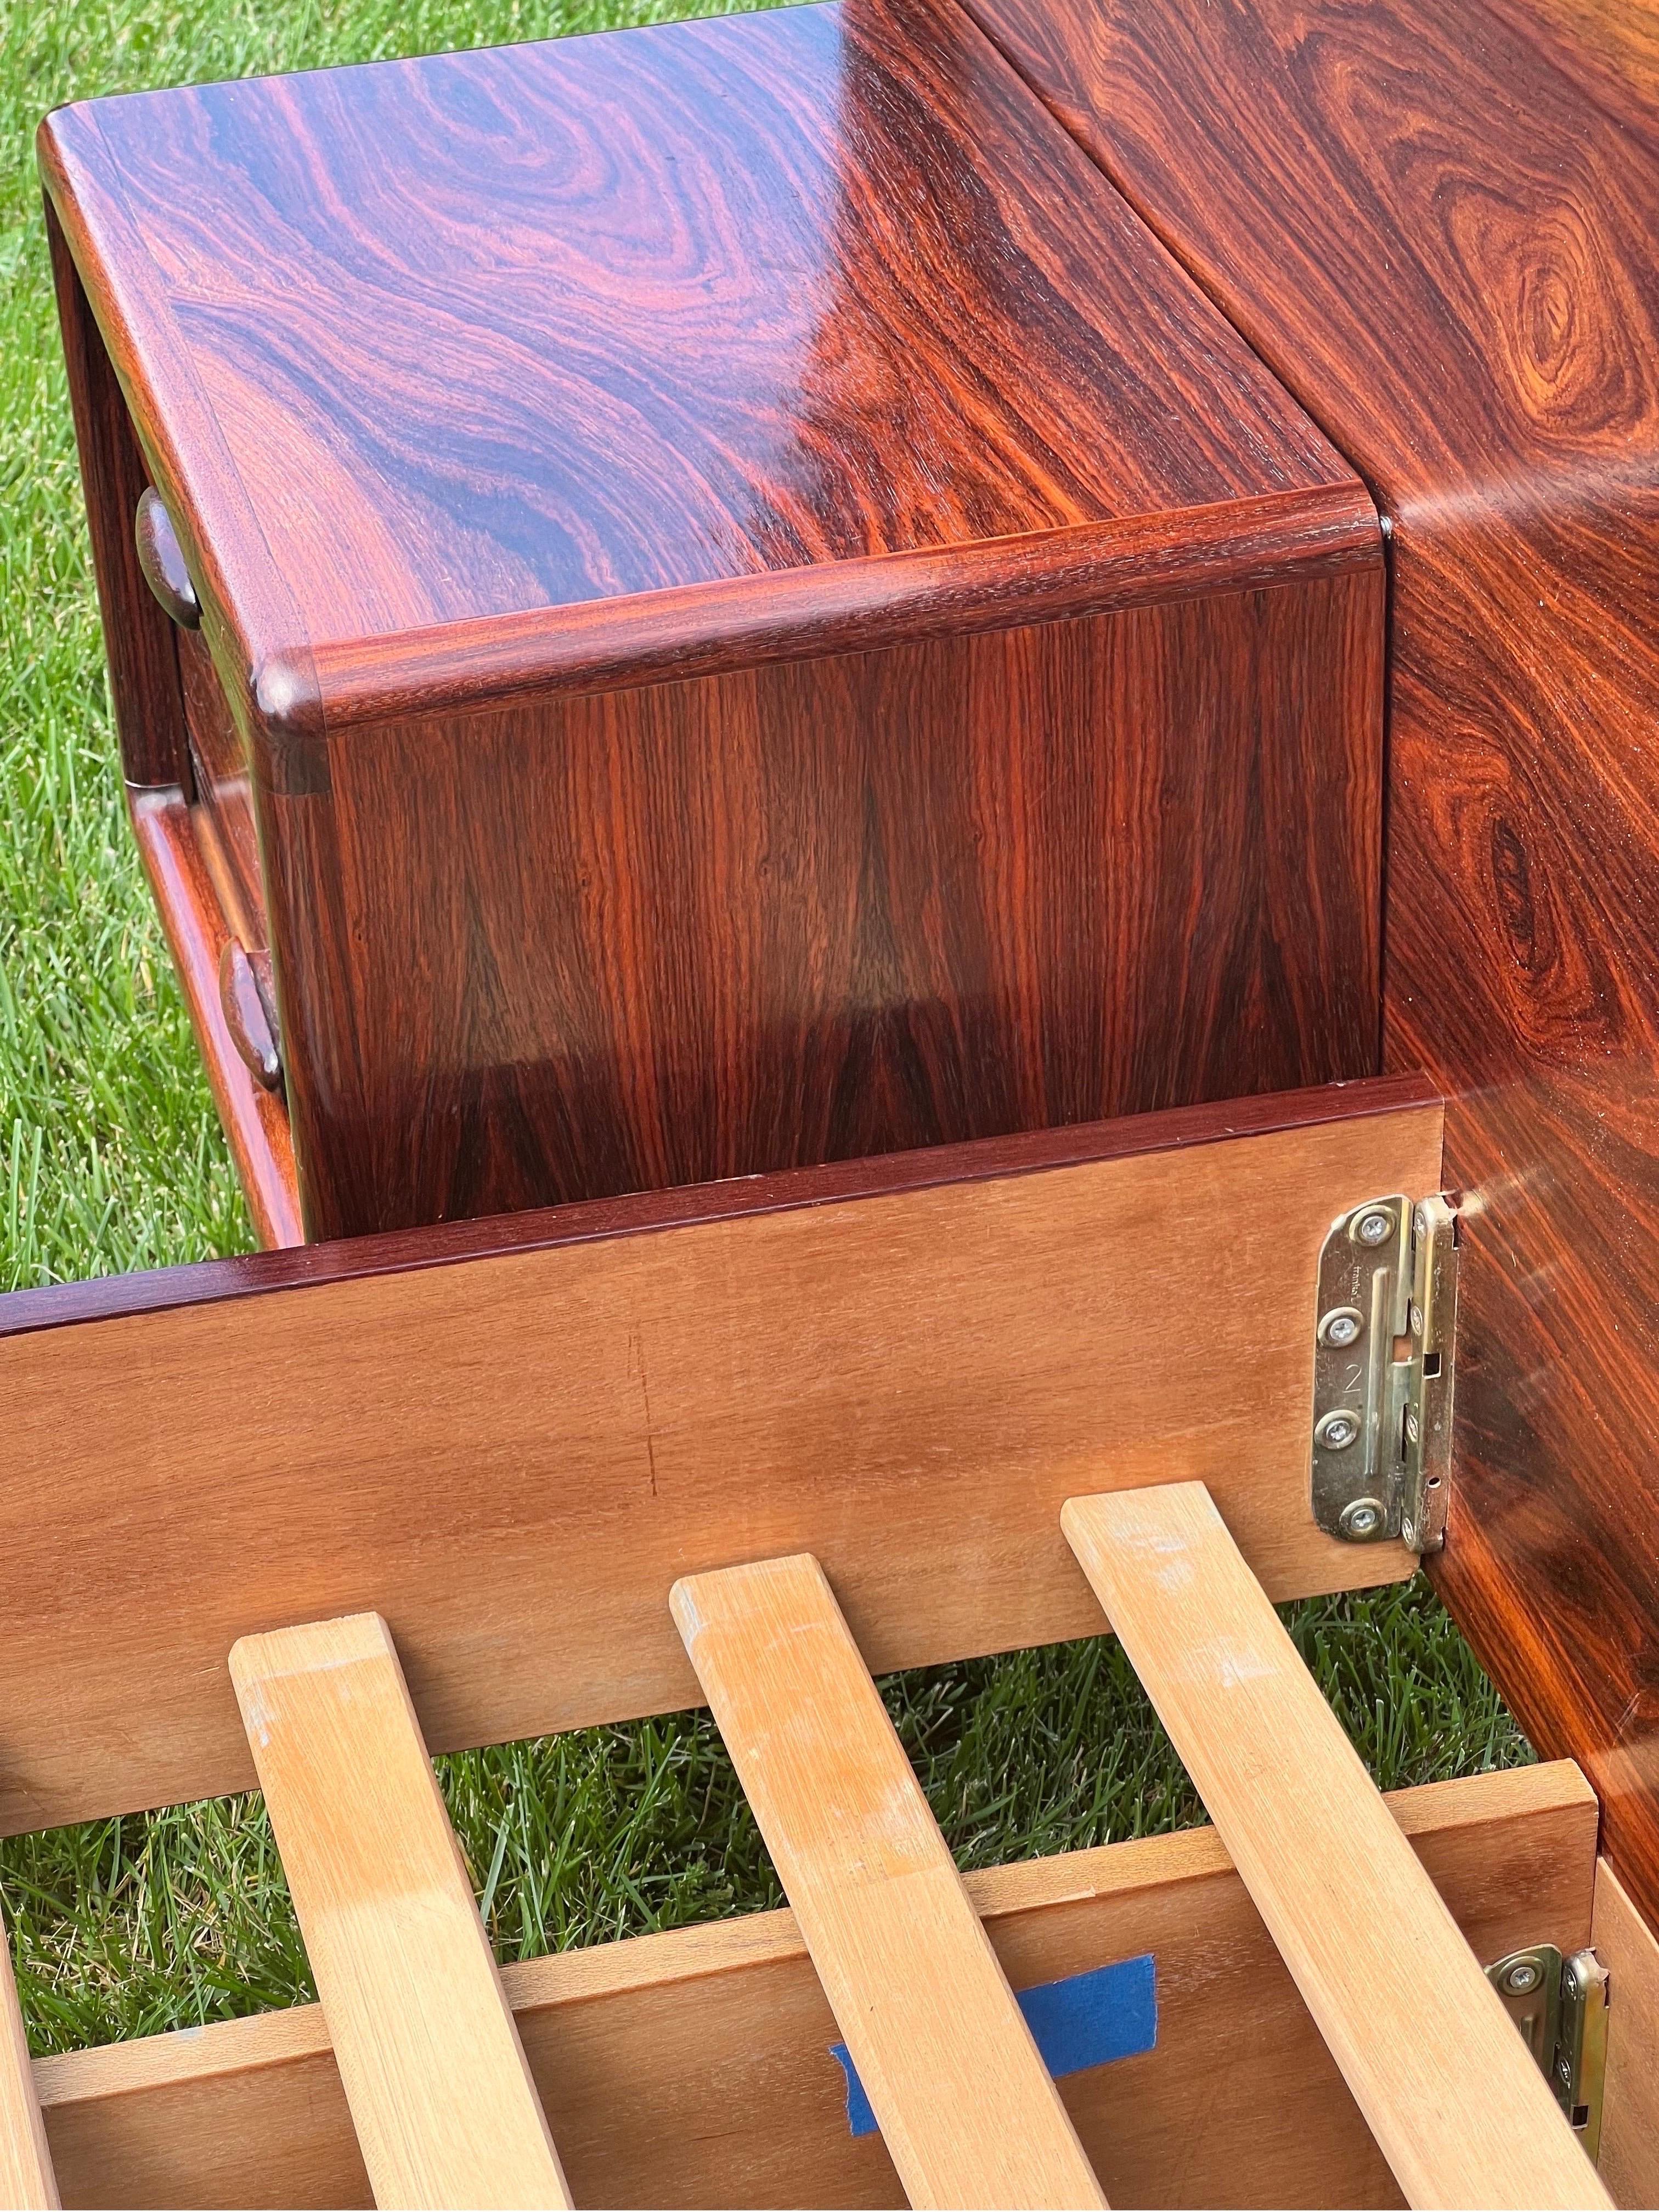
x: 1560, y: 2006
x: 1383, y: 1333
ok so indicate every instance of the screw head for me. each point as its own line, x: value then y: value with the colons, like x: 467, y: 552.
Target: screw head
x: 1339, y: 1429
x: 1417, y: 1321
x: 1413, y: 1427
x: 1523, y: 1978
x: 1362, y: 1517
x: 1420, y: 1221
x: 1408, y: 1532
x: 1341, y: 1326
x: 1374, y: 1227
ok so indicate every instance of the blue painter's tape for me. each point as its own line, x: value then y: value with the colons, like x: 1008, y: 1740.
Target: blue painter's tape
x: 860, y: 2118
x: 1087, y: 2020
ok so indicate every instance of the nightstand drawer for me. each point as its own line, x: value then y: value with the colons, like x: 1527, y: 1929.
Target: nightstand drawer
x: 776, y: 623
x: 223, y: 786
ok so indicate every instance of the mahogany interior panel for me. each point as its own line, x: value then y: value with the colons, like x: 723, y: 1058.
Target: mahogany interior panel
x: 512, y: 1456
x: 1437, y: 220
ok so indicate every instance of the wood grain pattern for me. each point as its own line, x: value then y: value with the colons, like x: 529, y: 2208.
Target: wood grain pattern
x: 713, y: 2039
x: 108, y: 1297
x: 441, y: 2099
x: 965, y: 2104
x: 1245, y: 545
x: 1435, y: 220
x: 138, y: 639
x: 823, y: 910
x: 223, y: 786
x: 255, y: 1119
x: 725, y: 300
x: 1630, y: 2122
x: 730, y: 722
x: 27, y: 2179
x: 908, y: 1386
x: 1452, y: 2094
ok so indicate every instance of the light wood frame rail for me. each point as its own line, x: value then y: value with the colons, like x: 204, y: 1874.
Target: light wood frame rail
x: 904, y: 1367
x: 910, y: 1365
x: 714, y: 2040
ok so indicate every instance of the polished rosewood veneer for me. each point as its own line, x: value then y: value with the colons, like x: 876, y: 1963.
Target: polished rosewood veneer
x: 750, y: 614
x: 1438, y: 220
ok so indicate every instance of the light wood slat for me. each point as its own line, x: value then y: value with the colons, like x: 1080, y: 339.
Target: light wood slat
x: 1457, y: 2105
x: 908, y: 1385
x: 1630, y: 2115
x: 26, y: 2174
x: 715, y: 2038
x: 967, y: 2109
x: 440, y: 2095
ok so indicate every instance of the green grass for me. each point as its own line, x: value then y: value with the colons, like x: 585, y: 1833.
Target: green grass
x: 112, y: 1160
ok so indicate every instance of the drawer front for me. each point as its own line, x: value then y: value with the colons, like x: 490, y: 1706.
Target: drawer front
x: 223, y: 787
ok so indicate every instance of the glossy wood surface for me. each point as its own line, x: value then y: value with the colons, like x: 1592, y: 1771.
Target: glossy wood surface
x: 713, y: 2041
x: 707, y: 715
x: 578, y: 321
x: 1437, y: 220
x: 222, y: 786
x: 819, y: 910
x: 170, y: 835
x: 138, y: 639
x: 514, y: 1458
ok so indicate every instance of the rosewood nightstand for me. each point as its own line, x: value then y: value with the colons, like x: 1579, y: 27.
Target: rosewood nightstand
x: 701, y: 601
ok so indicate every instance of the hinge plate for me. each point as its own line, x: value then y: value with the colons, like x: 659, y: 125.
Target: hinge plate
x: 1560, y: 2005
x: 1383, y: 1332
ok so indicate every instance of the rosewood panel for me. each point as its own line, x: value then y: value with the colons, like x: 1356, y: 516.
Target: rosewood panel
x: 223, y: 786
x: 138, y: 639
x: 569, y: 323
x: 821, y: 909
x: 1436, y: 220
x: 173, y: 843
x: 766, y: 617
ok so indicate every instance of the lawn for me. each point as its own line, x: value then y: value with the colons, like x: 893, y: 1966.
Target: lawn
x: 113, y: 1160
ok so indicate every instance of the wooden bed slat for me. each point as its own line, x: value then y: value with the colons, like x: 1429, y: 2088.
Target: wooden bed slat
x: 965, y: 2104
x: 716, y: 2037
x: 440, y: 2096
x: 1446, y: 2085
x: 27, y: 2179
